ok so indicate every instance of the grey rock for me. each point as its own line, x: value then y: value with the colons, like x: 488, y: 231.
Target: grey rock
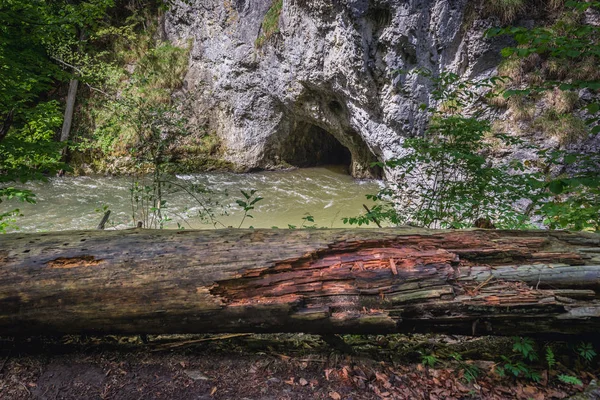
x: 592, y: 392
x: 329, y: 79
x: 196, y: 375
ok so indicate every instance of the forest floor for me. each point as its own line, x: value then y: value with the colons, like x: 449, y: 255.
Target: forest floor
x: 269, y: 367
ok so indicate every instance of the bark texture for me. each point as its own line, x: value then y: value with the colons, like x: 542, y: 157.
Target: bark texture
x: 475, y: 282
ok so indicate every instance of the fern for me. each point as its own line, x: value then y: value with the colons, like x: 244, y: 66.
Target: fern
x: 550, y: 359
x: 517, y: 369
x: 429, y: 360
x: 525, y: 346
x: 586, y: 351
x: 470, y: 371
x: 570, y: 380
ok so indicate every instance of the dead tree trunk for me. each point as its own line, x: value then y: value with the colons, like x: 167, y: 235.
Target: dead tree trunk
x: 318, y: 281
x: 69, y: 110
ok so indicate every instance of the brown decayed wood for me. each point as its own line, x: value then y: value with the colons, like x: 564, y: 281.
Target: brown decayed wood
x: 319, y: 281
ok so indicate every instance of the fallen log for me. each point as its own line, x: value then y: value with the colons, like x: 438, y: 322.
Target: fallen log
x: 475, y: 282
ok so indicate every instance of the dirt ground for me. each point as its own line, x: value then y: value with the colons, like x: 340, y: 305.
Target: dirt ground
x: 261, y: 367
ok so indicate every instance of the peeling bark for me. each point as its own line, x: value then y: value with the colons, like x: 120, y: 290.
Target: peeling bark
x: 316, y: 281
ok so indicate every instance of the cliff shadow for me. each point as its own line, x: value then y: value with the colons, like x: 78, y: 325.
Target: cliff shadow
x: 306, y: 144
x: 310, y: 146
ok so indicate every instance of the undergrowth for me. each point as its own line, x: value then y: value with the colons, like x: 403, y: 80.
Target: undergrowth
x: 139, y: 70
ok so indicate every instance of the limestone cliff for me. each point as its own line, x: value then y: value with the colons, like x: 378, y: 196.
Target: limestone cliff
x: 323, y: 84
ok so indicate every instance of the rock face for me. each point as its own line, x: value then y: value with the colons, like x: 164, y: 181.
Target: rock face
x: 325, y: 85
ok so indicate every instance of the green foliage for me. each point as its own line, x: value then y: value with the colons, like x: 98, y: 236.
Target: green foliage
x: 163, y: 67
x: 571, y: 201
x: 570, y: 380
x: 34, y: 35
x: 525, y: 347
x: 142, y: 75
x: 550, y: 358
x: 429, y: 360
x: 26, y: 71
x: 8, y: 218
x: 517, y: 369
x: 470, y: 371
x: 306, y: 220
x: 270, y: 24
x: 586, y: 351
x: 516, y: 365
x: 38, y: 39
x: 446, y: 179
x: 29, y: 150
x: 247, y: 204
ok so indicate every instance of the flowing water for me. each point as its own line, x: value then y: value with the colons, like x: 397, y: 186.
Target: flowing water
x: 326, y: 193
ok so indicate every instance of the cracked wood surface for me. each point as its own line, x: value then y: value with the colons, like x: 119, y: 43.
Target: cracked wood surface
x: 473, y: 282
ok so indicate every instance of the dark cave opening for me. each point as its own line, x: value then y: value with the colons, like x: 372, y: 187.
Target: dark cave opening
x: 311, y: 146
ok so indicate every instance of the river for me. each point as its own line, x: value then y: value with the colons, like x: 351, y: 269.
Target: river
x: 326, y: 193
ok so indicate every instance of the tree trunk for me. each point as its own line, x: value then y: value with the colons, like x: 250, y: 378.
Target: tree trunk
x: 6, y: 124
x: 70, y: 108
x: 475, y: 282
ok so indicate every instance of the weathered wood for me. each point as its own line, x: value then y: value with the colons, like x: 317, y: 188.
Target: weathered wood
x: 318, y: 281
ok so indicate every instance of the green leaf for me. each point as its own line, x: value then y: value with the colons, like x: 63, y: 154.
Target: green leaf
x: 570, y: 380
x: 557, y: 186
x: 593, y: 108
x: 570, y: 158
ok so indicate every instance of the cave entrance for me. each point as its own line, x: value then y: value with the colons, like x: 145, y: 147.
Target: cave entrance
x: 310, y: 146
